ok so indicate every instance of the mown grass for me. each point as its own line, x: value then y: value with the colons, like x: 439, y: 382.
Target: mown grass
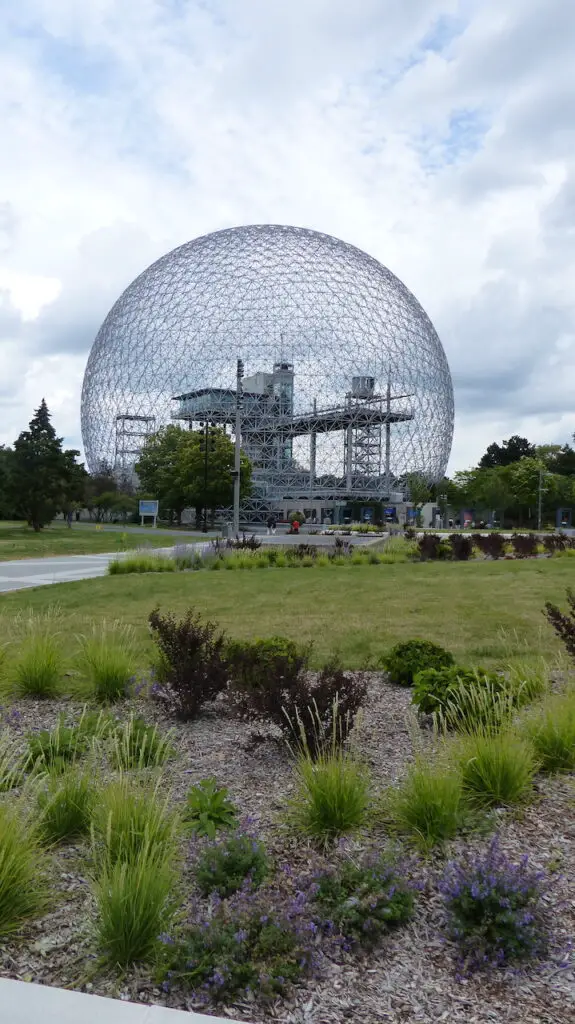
x: 361, y: 611
x: 17, y: 540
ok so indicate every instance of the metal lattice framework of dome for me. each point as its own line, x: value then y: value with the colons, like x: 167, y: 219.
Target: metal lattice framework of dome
x: 346, y: 391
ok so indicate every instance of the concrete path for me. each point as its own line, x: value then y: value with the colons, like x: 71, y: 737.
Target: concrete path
x: 36, y: 572
x: 25, y: 1003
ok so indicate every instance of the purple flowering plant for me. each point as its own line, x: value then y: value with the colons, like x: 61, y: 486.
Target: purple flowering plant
x: 245, y: 945
x: 224, y: 866
x: 362, y: 901
x: 494, y: 909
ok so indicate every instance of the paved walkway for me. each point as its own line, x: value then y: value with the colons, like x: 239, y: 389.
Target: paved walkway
x: 36, y: 572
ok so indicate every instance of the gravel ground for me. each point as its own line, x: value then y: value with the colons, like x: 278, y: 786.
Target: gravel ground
x: 412, y: 977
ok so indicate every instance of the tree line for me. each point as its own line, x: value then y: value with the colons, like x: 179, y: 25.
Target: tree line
x: 512, y: 478
x: 183, y: 469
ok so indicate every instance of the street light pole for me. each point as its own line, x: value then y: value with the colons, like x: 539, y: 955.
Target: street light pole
x: 206, y: 436
x: 239, y: 402
x: 540, y: 500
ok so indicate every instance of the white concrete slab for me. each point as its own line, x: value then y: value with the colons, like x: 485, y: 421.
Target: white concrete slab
x: 24, y: 1003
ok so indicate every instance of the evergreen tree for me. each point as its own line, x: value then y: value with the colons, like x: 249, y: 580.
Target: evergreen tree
x: 45, y: 478
x: 6, y: 483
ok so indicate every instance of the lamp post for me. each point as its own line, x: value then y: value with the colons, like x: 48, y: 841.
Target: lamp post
x: 206, y: 428
x: 236, y: 473
x: 540, y: 498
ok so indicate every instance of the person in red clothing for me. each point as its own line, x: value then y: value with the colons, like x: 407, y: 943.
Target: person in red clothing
x: 295, y: 526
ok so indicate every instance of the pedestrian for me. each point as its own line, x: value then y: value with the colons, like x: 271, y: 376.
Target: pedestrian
x: 295, y: 526
x: 271, y: 524
x: 69, y: 519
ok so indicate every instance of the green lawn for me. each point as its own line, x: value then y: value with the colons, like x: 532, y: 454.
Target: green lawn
x: 17, y: 540
x: 358, y: 610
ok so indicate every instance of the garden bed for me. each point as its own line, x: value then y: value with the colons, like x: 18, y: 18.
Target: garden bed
x: 412, y: 976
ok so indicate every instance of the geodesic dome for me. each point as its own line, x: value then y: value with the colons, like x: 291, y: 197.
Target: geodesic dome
x: 346, y: 390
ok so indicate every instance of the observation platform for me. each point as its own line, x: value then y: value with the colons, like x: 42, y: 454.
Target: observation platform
x: 219, y: 405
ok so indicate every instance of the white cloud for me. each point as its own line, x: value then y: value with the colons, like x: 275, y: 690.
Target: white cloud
x: 437, y: 135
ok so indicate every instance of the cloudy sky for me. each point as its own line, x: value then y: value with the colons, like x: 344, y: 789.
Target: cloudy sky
x: 438, y: 135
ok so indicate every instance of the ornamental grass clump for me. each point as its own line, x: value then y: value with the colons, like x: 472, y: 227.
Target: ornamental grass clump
x: 141, y: 562
x: 494, y: 909
x: 223, y: 867
x: 23, y: 888
x: 209, y: 809
x: 472, y: 701
x: 136, y: 745
x: 65, y: 807
x: 497, y: 769
x: 551, y: 732
x: 129, y: 817
x: 428, y: 806
x: 39, y: 665
x: 108, y: 660
x: 362, y: 902
x: 333, y: 792
x: 135, y: 901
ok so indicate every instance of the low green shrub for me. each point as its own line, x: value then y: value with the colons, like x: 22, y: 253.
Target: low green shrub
x: 65, y: 807
x: 255, y: 665
x: 135, y: 905
x: 365, y: 900
x: 23, y: 887
x: 39, y: 666
x: 129, y: 817
x: 551, y: 731
x: 428, y: 805
x: 497, y: 769
x: 332, y: 794
x: 209, y: 809
x: 224, y: 866
x: 137, y: 745
x: 108, y: 660
x: 406, y: 659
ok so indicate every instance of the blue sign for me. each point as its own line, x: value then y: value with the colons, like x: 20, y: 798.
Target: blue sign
x: 148, y: 508
x: 389, y: 511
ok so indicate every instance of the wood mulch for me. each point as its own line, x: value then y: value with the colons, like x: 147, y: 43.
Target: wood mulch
x: 412, y: 978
